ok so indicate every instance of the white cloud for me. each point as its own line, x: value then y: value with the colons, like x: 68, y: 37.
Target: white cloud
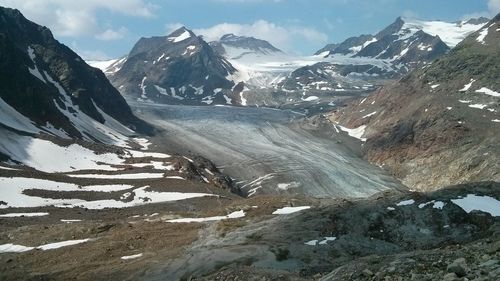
x: 77, y: 18
x: 110, y: 34
x: 281, y: 36
x: 247, y: 1
x: 494, y: 7
x: 493, y: 10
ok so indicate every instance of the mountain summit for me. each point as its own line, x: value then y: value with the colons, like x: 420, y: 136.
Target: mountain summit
x: 232, y: 45
x: 178, y: 68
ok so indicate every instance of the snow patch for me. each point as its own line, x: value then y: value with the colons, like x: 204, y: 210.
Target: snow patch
x: 17, y: 215
x: 406, y: 202
x: 467, y: 86
x: 483, y: 33
x: 131, y: 257
x: 473, y: 202
x: 228, y: 99
x: 34, y: 71
x: 322, y: 242
x: 287, y: 186
x: 185, y: 35
x: 489, y: 92
x: 290, y: 210
x: 243, y: 100
x: 356, y: 132
x: 13, y: 248
x: 233, y: 215
x: 478, y: 105
x: 58, y: 245
x: 119, y: 176
x: 311, y: 98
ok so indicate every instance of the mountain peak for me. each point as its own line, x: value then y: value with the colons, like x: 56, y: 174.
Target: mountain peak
x: 229, y: 36
x: 476, y: 21
x: 181, y: 34
x: 248, y: 42
x: 392, y: 28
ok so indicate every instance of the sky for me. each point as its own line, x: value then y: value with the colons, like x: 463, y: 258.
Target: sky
x: 104, y: 29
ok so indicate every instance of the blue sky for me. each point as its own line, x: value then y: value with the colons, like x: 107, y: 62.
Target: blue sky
x: 100, y: 29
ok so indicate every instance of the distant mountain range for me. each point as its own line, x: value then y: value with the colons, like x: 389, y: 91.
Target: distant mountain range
x: 182, y: 68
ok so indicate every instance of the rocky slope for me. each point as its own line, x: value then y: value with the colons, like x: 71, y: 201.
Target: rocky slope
x: 59, y: 94
x: 444, y: 235
x: 179, y: 68
x: 438, y: 125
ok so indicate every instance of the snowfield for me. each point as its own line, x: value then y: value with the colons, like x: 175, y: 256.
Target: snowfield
x: 473, y: 202
x: 12, y: 193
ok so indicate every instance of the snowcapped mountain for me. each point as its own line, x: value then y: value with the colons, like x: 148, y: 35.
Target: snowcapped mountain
x: 183, y: 69
x: 180, y: 68
x: 405, y: 44
x: 60, y: 94
x: 109, y: 67
x: 439, y: 125
x: 235, y: 47
x: 348, y: 67
x: 402, y: 32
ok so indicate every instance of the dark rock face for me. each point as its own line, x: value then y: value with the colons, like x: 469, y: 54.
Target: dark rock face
x: 438, y: 125
x: 179, y: 68
x: 38, y: 74
x: 347, y: 47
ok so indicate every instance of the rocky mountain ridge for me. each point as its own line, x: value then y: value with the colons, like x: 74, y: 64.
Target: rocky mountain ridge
x: 438, y: 125
x: 60, y: 95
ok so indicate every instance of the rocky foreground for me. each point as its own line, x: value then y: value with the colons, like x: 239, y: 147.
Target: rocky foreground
x: 452, y: 234
x: 423, y: 237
